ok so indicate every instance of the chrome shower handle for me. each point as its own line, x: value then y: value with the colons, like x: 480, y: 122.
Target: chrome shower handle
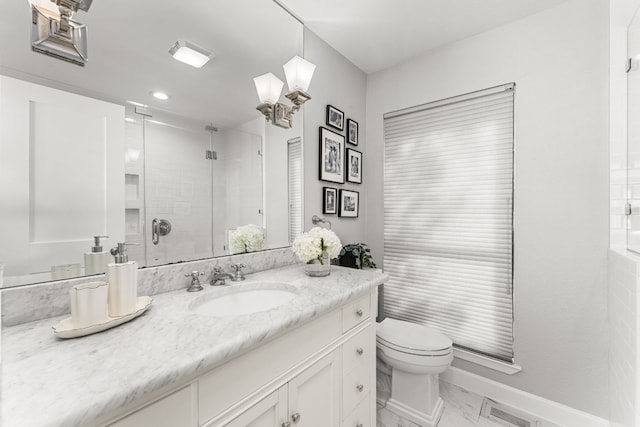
x: 159, y: 227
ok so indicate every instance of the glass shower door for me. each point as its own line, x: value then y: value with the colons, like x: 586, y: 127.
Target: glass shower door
x: 178, y: 192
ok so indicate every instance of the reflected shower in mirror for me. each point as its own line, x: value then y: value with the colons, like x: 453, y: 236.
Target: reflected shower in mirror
x: 87, y: 151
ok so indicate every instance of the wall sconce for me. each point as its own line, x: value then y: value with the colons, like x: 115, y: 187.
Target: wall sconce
x: 55, y: 33
x: 298, y: 72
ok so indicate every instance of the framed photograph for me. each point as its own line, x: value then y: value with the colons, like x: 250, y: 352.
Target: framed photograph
x: 331, y: 156
x: 335, y: 118
x: 348, y: 204
x: 352, y: 132
x: 329, y: 200
x: 354, y: 166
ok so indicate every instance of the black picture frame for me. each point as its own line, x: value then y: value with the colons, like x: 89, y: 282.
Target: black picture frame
x: 354, y: 166
x: 329, y: 200
x: 331, y: 156
x: 352, y: 132
x: 349, y: 204
x: 335, y: 118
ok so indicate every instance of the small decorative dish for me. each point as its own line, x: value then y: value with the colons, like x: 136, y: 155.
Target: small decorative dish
x: 66, y: 328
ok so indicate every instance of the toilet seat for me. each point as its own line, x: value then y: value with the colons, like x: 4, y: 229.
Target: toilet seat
x: 411, y: 338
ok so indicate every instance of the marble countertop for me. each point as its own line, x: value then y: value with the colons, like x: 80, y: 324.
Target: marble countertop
x: 48, y: 381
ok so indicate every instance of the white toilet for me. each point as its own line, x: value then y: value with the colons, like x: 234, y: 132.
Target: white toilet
x: 416, y: 355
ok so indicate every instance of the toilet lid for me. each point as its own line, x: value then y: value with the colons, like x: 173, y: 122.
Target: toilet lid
x: 411, y: 337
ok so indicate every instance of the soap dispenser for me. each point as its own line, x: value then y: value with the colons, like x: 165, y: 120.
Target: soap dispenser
x: 95, y: 262
x: 122, y: 277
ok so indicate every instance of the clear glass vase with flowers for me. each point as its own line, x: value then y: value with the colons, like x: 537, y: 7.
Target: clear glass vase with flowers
x: 317, y: 247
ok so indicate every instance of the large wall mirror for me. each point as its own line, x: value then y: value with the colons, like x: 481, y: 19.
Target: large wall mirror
x: 88, y: 151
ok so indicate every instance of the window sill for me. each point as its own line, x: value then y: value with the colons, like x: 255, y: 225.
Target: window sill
x: 487, y: 362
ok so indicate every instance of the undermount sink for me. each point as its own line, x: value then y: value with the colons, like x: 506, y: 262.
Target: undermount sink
x: 243, y: 302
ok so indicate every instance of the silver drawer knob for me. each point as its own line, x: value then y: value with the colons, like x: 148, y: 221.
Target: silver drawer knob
x: 360, y: 351
x: 295, y: 418
x: 286, y: 424
x: 360, y: 313
x: 360, y: 387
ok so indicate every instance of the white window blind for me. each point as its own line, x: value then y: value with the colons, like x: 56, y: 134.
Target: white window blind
x: 294, y: 155
x: 448, y: 191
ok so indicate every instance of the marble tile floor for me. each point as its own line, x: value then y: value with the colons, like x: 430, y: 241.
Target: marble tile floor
x: 461, y: 409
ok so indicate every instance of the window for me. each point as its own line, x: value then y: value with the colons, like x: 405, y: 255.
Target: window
x: 294, y: 156
x: 448, y: 218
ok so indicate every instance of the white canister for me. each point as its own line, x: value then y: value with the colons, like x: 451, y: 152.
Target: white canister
x: 89, y: 304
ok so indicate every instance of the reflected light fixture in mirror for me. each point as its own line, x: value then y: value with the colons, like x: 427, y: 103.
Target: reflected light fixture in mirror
x: 190, y: 54
x: 55, y: 34
x: 298, y: 72
x: 160, y: 95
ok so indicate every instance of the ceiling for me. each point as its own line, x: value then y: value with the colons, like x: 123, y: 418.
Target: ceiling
x: 128, y: 43
x: 378, y: 34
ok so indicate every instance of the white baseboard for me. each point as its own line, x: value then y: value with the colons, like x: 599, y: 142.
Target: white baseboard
x: 527, y: 402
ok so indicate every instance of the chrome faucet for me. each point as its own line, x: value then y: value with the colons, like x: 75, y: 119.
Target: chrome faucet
x: 195, y: 285
x: 218, y: 277
x: 237, y: 272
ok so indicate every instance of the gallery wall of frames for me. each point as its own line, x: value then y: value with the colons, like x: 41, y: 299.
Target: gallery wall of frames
x: 339, y: 164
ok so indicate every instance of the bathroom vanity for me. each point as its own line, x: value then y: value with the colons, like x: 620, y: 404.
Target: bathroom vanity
x: 307, y: 362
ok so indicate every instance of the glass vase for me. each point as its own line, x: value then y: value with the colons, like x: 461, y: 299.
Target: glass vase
x: 318, y: 267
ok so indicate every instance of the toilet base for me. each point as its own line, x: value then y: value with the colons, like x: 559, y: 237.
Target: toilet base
x: 420, y: 418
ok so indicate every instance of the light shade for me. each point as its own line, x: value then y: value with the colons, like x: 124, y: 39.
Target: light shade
x: 190, y: 54
x: 299, y: 72
x: 268, y: 87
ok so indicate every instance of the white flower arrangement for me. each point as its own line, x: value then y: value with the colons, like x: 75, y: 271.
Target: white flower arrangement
x: 246, y: 238
x: 310, y: 245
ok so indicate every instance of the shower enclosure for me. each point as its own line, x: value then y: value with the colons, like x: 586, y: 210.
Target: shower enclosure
x: 188, y: 185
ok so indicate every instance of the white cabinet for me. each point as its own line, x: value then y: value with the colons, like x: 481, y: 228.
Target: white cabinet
x: 314, y: 395
x: 171, y: 411
x: 269, y: 412
x: 321, y: 374
x: 311, y: 399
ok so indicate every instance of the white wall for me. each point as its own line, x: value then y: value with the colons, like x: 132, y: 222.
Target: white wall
x: 623, y: 349
x: 340, y: 83
x: 623, y: 296
x: 559, y: 61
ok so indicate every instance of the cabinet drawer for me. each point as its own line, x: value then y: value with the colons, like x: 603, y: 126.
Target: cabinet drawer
x: 355, y: 312
x: 173, y: 410
x: 355, y: 387
x: 361, y: 416
x: 357, y: 351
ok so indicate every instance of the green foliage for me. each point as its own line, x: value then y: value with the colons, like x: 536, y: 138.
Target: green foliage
x: 361, y: 253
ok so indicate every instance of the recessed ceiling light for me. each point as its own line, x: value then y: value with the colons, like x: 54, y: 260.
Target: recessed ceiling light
x: 190, y: 53
x: 129, y: 120
x: 160, y: 95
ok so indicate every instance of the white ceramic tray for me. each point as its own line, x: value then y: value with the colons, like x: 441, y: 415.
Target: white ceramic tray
x: 66, y: 329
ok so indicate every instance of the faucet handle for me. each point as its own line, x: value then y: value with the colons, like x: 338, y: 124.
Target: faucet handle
x: 195, y: 282
x: 217, y: 270
x: 237, y: 267
x: 237, y: 271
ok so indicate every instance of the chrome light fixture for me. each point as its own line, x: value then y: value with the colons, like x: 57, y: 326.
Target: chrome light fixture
x: 298, y: 72
x: 55, y: 33
x: 190, y: 54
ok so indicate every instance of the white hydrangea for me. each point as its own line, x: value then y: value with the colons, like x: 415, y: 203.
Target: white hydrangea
x: 308, y: 246
x: 246, y: 238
